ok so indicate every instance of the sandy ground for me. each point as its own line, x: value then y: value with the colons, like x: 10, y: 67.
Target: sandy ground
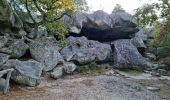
x: 78, y: 87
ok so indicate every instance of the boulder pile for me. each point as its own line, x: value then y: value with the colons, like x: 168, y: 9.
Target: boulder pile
x: 29, y: 53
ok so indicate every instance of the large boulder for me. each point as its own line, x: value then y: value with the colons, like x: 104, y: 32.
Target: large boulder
x: 126, y: 55
x: 102, y: 26
x: 123, y: 19
x: 46, y: 51
x: 16, y: 48
x: 26, y: 72
x: 83, y: 51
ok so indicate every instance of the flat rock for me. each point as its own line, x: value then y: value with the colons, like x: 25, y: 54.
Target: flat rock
x: 26, y: 72
x: 154, y: 89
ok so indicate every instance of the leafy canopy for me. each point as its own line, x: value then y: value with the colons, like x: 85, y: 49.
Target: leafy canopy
x: 45, y: 13
x: 156, y: 15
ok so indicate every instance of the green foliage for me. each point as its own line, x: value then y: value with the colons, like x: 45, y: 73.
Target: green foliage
x: 45, y: 13
x: 133, y: 72
x: 81, y: 6
x: 91, y: 69
x: 146, y: 15
x: 58, y: 28
x: 118, y: 8
x: 156, y: 15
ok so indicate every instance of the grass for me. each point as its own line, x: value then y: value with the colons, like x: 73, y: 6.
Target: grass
x: 133, y: 72
x: 91, y: 69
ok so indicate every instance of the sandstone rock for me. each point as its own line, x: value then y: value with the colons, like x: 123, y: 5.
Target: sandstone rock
x: 57, y: 72
x: 16, y: 48
x: 100, y: 20
x: 102, y: 26
x: 69, y: 67
x: 45, y: 50
x: 26, y: 72
x: 123, y: 19
x: 83, y: 51
x: 154, y: 89
x: 40, y: 32
x: 3, y: 58
x: 126, y: 55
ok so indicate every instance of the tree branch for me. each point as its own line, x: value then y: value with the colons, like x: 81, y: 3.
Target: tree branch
x: 29, y: 12
x: 58, y: 18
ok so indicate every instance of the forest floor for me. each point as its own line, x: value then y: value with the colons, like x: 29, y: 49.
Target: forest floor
x: 109, y: 86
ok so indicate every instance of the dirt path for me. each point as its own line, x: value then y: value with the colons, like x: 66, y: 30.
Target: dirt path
x: 82, y: 88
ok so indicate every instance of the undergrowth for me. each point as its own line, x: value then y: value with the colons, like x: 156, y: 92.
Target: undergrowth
x: 91, y: 69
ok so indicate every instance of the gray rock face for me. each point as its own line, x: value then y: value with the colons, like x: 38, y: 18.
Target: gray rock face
x: 101, y: 26
x: 140, y: 39
x: 138, y: 43
x: 26, y: 72
x: 142, y: 34
x: 123, y: 19
x: 14, y: 47
x: 18, y: 48
x: 69, y: 67
x: 37, y: 33
x: 100, y: 20
x: 3, y: 58
x: 45, y: 50
x: 57, y: 72
x: 84, y: 51
x: 126, y: 55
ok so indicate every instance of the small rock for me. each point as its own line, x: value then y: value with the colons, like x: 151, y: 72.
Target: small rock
x: 69, y: 67
x: 57, y: 73
x: 110, y: 73
x: 168, y: 82
x: 162, y: 71
x: 154, y: 73
x: 150, y: 56
x: 153, y: 89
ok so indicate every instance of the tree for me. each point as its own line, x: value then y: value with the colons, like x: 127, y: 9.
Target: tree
x: 118, y: 8
x: 156, y: 15
x: 44, y: 13
x: 81, y: 6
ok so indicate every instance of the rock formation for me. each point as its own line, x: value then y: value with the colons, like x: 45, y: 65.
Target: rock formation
x: 29, y: 52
